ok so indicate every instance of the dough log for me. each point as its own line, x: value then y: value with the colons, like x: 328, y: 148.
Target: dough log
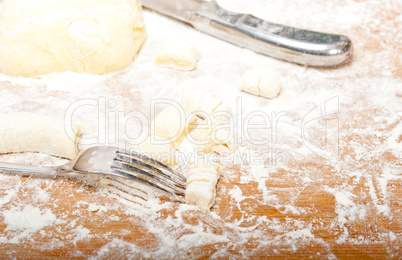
x: 30, y: 132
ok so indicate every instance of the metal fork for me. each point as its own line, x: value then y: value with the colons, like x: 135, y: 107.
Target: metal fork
x: 110, y: 161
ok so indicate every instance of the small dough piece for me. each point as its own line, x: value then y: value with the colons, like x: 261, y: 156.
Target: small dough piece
x: 163, y: 151
x: 177, y: 54
x: 201, y: 185
x: 261, y: 82
x: 203, y: 176
x: 201, y: 194
x: 93, y: 207
x: 213, y: 133
x: 197, y: 101
x: 30, y: 132
x: 44, y: 36
x: 212, y: 138
x: 173, y: 125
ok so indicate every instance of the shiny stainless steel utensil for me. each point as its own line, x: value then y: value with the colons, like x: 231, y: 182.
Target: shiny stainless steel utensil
x: 110, y: 161
x: 282, y: 42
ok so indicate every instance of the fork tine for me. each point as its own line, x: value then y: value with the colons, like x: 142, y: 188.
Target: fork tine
x: 150, y: 160
x: 135, y: 170
x: 159, y: 172
x: 124, y: 187
x: 144, y: 174
x: 132, y: 174
x: 147, y: 170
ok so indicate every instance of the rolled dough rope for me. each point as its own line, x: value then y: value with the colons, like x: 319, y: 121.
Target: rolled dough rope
x: 201, y: 185
x: 162, y: 151
x: 44, y: 36
x: 171, y: 125
x: 178, y: 54
x: 262, y: 82
x: 30, y: 132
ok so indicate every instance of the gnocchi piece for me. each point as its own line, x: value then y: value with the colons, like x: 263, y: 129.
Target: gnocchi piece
x: 172, y: 125
x: 177, y: 54
x: 213, y: 133
x: 201, y: 185
x: 206, y: 176
x: 195, y: 100
x: 30, y: 132
x: 262, y: 82
x: 212, y: 138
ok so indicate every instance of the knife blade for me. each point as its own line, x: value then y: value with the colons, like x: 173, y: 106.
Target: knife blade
x: 178, y: 9
x: 287, y: 43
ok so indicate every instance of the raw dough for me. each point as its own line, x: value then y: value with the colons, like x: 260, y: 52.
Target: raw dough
x: 30, y: 132
x: 261, y: 82
x: 197, y: 101
x: 212, y: 133
x: 172, y: 125
x: 177, y: 54
x: 163, y: 152
x: 213, y: 138
x: 201, y: 185
x: 93, y: 207
x: 43, y: 36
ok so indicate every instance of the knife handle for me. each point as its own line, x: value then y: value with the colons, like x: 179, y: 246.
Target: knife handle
x: 282, y: 42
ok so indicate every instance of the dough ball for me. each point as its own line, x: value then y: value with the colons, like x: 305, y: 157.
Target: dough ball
x: 44, y: 36
x: 177, y: 54
x: 261, y: 82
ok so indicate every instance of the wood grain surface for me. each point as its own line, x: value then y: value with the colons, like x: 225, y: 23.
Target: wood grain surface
x: 302, y: 204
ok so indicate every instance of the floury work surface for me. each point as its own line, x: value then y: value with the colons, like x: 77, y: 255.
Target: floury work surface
x: 317, y: 172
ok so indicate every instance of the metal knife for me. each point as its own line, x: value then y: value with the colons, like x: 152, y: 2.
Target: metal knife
x: 282, y: 42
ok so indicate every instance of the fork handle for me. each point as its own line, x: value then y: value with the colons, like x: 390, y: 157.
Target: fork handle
x: 31, y: 170
x: 279, y: 41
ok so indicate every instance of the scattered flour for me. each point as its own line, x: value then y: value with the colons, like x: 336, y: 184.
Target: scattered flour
x: 28, y: 219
